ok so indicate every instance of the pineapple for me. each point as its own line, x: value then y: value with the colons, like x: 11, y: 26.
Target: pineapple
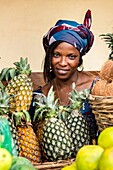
x: 5, y: 114
x: 19, y: 85
x: 53, y: 135
x: 76, y: 122
x: 28, y: 142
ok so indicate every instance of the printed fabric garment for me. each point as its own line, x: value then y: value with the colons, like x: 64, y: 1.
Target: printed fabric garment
x: 85, y: 110
x: 78, y: 35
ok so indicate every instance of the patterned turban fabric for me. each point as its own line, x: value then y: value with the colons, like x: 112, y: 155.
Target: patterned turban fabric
x: 78, y: 35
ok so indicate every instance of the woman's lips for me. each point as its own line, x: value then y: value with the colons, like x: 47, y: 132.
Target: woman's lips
x: 62, y: 71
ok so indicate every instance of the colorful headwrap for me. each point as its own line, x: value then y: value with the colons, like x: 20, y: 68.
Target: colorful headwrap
x: 79, y: 35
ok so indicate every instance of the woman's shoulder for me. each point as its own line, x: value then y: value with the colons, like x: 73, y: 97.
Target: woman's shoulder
x: 86, y: 79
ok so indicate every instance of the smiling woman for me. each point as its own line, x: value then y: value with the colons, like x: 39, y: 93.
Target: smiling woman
x: 65, y: 45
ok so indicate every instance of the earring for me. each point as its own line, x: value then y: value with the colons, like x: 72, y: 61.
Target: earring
x: 80, y: 68
x: 50, y: 68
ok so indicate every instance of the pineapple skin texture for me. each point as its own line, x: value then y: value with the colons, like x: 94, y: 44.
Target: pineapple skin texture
x: 21, y: 88
x: 28, y: 144
x: 79, y: 129
x: 56, y: 142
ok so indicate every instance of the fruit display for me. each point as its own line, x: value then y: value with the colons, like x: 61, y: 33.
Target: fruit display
x: 55, y: 140
x: 7, y: 128
x: 95, y: 157
x: 104, y: 86
x: 15, y: 101
x: 61, y: 130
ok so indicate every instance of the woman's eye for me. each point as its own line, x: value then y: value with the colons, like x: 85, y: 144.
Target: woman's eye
x: 72, y: 57
x: 56, y: 54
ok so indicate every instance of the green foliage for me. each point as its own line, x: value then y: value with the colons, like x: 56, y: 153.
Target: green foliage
x: 22, y: 67
x: 108, y: 38
x: 4, y: 100
x: 78, y: 98
x: 45, y: 106
x: 20, y: 117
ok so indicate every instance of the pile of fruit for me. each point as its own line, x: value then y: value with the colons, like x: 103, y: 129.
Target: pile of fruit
x: 55, y: 133
x: 95, y: 157
x: 16, y: 128
x: 61, y: 130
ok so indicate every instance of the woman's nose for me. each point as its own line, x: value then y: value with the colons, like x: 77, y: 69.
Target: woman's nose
x: 63, y: 61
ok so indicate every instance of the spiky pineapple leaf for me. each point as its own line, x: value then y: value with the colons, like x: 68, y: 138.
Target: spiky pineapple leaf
x: 7, y: 74
x: 22, y: 117
x: 22, y: 66
x: 46, y: 108
x: 2, y: 87
x: 78, y: 97
x: 3, y: 73
x: 63, y: 112
x: 4, y: 101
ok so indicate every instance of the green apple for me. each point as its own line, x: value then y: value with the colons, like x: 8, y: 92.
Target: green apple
x: 5, y: 159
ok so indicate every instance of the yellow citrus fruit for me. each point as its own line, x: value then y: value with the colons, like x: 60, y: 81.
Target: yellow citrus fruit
x: 70, y: 167
x: 106, y: 160
x: 105, y: 138
x: 5, y: 159
x: 74, y: 164
x: 88, y: 157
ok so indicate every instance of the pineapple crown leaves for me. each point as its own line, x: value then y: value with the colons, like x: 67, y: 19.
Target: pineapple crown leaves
x: 108, y: 38
x: 4, y: 100
x: 23, y: 67
x: 77, y: 98
x: 7, y: 74
x: 21, y: 117
x: 47, y: 108
x: 2, y: 87
x: 63, y: 112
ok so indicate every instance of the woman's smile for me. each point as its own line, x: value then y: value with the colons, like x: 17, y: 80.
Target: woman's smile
x: 62, y: 70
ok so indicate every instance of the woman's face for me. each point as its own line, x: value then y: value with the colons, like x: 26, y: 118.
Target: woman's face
x: 65, y: 60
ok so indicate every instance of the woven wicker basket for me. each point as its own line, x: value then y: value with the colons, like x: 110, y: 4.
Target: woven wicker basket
x: 53, y: 165
x: 102, y: 107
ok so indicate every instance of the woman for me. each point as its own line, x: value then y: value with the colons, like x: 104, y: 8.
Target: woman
x: 65, y: 45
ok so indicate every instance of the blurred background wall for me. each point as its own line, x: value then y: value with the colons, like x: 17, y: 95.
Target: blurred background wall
x: 24, y: 22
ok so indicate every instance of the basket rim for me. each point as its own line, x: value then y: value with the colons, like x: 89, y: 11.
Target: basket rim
x: 57, y: 164
x: 100, y: 97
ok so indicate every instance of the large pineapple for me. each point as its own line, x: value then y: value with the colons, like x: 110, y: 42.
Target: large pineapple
x: 76, y: 122
x: 28, y: 142
x: 54, y: 137
x: 19, y: 85
x: 5, y: 115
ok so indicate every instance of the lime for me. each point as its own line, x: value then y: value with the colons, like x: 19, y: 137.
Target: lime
x: 70, y: 167
x: 105, y: 138
x: 106, y: 160
x: 88, y: 157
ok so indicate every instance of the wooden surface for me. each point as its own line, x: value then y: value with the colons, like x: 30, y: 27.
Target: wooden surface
x: 37, y: 79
